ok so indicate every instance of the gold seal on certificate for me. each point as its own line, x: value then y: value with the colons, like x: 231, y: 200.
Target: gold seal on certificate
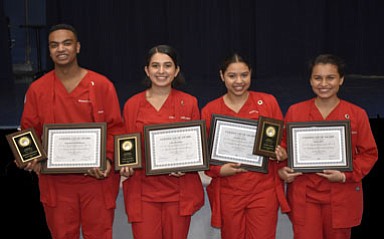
x: 268, y: 136
x: 270, y: 131
x: 26, y: 146
x: 128, y: 151
x: 126, y: 146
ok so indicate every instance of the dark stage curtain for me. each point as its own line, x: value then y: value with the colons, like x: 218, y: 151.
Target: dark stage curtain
x: 8, y: 115
x: 278, y: 37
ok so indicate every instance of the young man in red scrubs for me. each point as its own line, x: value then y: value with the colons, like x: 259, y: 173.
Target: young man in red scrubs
x: 72, y: 94
x: 326, y: 205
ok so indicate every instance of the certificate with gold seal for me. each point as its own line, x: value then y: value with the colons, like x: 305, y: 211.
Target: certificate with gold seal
x: 127, y: 151
x: 268, y: 136
x: 26, y: 146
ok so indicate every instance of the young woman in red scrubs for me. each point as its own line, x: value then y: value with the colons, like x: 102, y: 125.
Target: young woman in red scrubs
x: 244, y: 203
x: 326, y: 205
x: 160, y: 206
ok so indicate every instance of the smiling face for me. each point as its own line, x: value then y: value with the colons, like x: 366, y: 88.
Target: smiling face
x: 161, y: 70
x: 63, y: 47
x: 326, y: 81
x: 237, y: 78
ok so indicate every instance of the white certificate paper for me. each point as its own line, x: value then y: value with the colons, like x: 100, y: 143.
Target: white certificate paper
x: 320, y: 147
x: 234, y: 143
x: 73, y: 148
x: 179, y: 147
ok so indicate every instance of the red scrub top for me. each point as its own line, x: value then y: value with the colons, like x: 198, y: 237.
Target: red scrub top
x: 258, y: 104
x: 346, y: 199
x: 188, y: 189
x: 93, y: 100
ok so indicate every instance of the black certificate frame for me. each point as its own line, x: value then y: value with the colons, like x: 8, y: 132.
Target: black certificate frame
x: 127, y: 151
x: 170, y: 142
x: 63, y: 135
x: 241, y: 129
x: 309, y: 142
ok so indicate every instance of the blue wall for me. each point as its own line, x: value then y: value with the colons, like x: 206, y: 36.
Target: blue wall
x: 21, y: 13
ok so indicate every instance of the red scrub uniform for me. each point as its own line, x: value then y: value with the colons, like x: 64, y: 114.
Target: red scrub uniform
x: 72, y: 201
x: 322, y: 209
x: 246, y: 205
x: 160, y: 206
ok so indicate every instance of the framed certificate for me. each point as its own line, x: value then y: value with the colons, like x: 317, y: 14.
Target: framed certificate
x: 74, y: 148
x: 127, y: 151
x: 268, y: 136
x: 232, y: 140
x: 175, y: 147
x: 315, y: 146
x: 26, y: 146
